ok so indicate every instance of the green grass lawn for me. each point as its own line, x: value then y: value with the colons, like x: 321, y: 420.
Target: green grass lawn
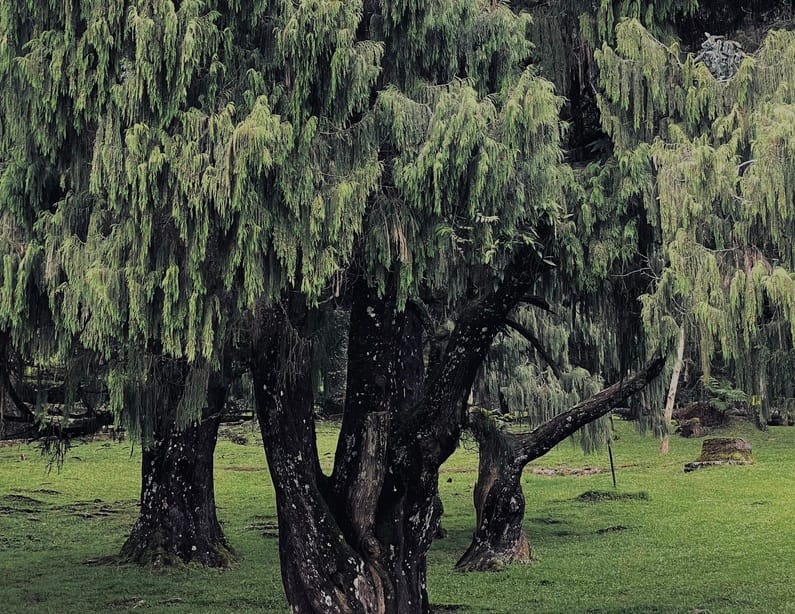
x: 716, y: 540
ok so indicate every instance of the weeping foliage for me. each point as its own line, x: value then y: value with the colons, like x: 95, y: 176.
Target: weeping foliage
x: 469, y: 146
x: 473, y: 182
x: 517, y: 379
x: 604, y: 253
x: 167, y: 169
x: 721, y: 155
x: 566, y: 32
x: 685, y: 192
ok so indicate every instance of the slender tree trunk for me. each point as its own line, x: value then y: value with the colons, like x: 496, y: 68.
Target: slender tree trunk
x: 670, y: 400
x: 177, y: 523
x: 499, y: 538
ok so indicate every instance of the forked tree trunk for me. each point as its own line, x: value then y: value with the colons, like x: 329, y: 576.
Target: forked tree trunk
x: 322, y: 571
x: 356, y: 541
x: 499, y: 538
x: 177, y: 523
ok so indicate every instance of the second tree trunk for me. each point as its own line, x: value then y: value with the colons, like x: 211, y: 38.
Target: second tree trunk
x: 177, y: 522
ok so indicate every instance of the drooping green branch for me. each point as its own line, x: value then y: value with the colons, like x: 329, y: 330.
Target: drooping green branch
x: 536, y: 343
x: 546, y: 436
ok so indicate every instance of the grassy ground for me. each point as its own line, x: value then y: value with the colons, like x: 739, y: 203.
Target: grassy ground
x: 716, y: 540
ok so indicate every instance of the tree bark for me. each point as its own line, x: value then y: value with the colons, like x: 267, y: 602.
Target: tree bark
x: 356, y: 541
x: 177, y: 523
x: 671, y: 398
x: 499, y: 538
x: 8, y: 389
x: 499, y: 505
x: 323, y: 568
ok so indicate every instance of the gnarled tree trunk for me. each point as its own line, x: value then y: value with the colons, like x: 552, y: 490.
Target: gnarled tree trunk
x: 177, y: 522
x: 323, y: 570
x: 356, y: 541
x: 499, y: 505
x: 499, y: 538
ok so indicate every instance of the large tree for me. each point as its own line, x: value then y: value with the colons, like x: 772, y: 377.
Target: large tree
x: 142, y: 208
x: 466, y: 140
x: 642, y: 229
x: 187, y: 182
x: 584, y: 326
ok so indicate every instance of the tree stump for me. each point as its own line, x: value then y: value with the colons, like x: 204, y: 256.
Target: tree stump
x: 717, y: 451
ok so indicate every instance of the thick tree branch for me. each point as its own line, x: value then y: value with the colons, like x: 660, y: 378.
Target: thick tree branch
x: 24, y: 409
x: 537, y: 301
x: 441, y: 415
x: 542, y: 439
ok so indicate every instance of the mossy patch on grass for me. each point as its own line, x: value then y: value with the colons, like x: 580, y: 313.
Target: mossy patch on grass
x: 267, y: 527
x: 615, y: 529
x: 15, y: 499
x: 99, y: 509
x: 546, y: 520
x: 597, y: 496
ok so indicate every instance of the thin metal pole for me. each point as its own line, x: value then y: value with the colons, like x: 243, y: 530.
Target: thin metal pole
x: 612, y: 466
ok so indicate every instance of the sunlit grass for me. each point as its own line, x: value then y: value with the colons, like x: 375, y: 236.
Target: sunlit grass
x: 715, y: 540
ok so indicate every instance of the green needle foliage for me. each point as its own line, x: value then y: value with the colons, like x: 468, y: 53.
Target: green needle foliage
x: 721, y: 157
x: 166, y: 168
x: 682, y: 182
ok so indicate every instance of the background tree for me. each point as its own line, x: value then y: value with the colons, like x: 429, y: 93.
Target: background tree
x: 67, y: 74
x: 632, y: 99
x: 499, y: 537
x: 618, y: 253
x: 589, y: 327
x: 719, y: 162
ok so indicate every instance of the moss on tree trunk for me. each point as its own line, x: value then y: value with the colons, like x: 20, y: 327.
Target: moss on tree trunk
x: 177, y: 523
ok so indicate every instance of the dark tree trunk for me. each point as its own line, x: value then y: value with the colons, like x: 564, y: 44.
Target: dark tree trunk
x: 20, y: 412
x: 499, y: 538
x: 177, y: 523
x: 323, y: 569
x: 386, y: 382
x: 356, y: 541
